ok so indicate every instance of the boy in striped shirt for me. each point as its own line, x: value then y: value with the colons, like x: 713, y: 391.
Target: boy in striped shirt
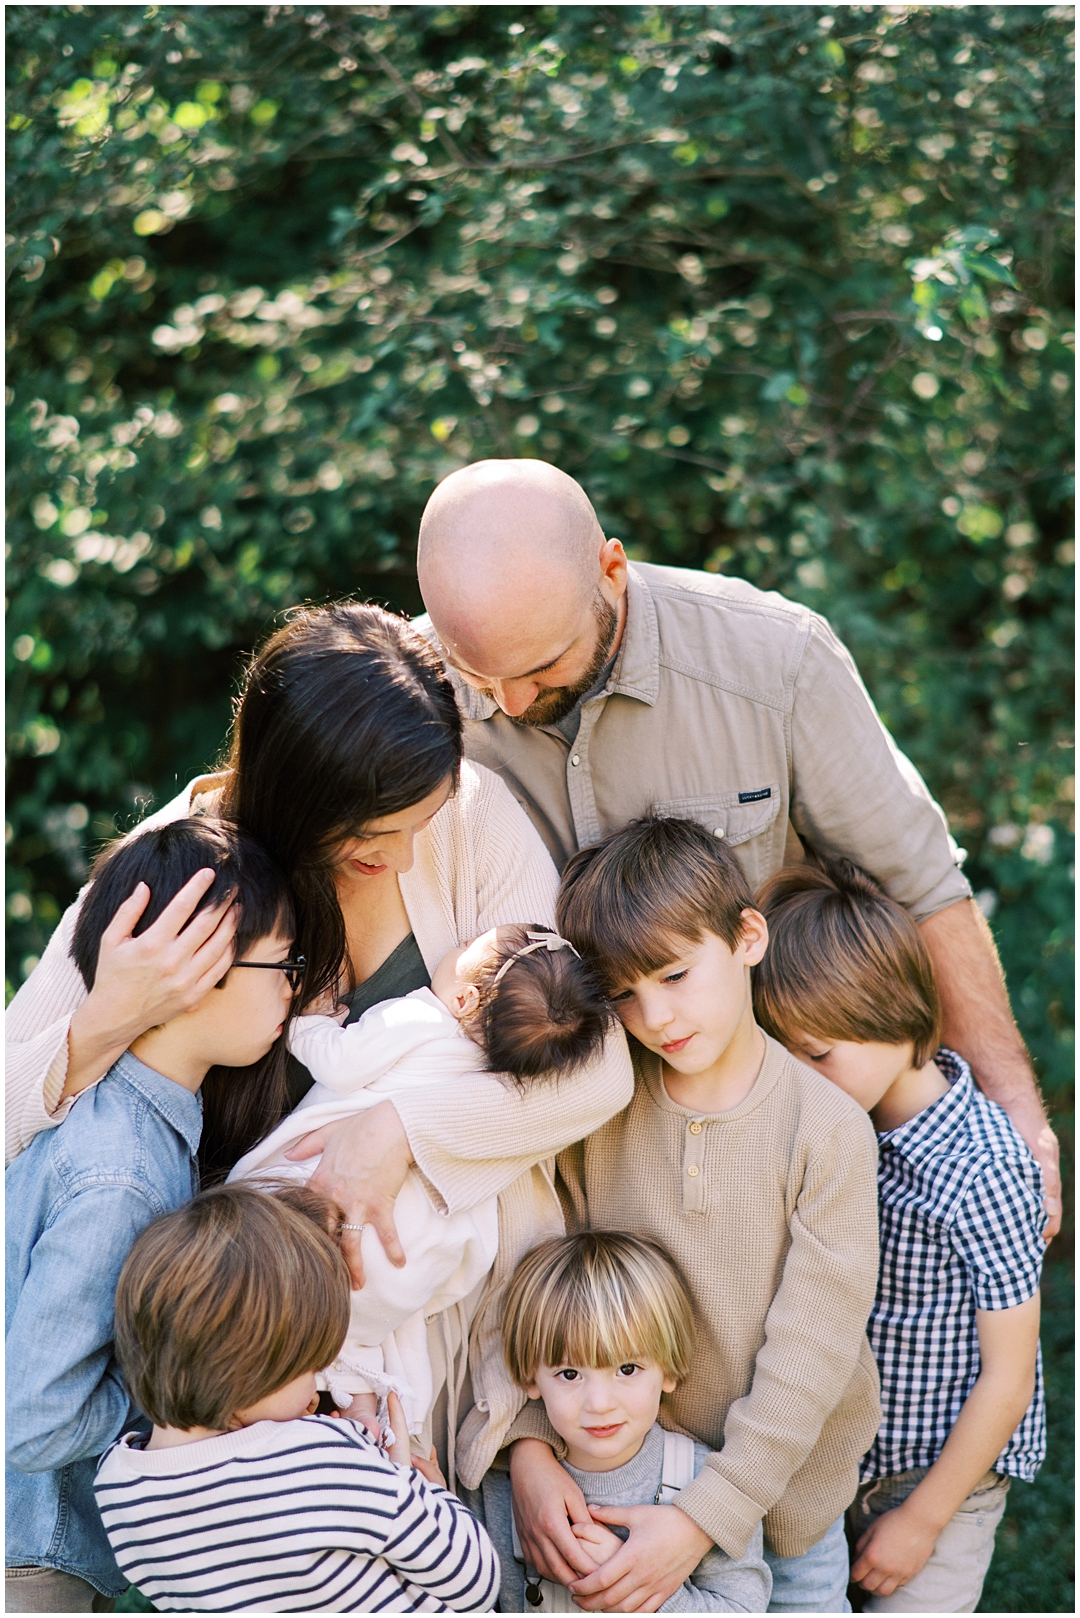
x: 848, y: 987
x: 244, y: 1499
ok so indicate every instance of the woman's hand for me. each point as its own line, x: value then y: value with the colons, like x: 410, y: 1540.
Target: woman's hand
x: 142, y: 982
x: 664, y: 1548
x: 548, y: 1506
x: 364, y: 1163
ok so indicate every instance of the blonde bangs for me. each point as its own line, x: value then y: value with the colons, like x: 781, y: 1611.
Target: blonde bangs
x: 597, y: 1299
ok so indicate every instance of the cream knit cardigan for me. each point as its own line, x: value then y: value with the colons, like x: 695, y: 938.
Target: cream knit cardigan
x: 478, y: 864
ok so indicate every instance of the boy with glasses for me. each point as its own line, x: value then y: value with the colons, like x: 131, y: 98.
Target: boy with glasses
x: 81, y: 1193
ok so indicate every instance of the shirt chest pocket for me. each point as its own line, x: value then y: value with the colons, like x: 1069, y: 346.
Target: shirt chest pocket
x: 737, y: 816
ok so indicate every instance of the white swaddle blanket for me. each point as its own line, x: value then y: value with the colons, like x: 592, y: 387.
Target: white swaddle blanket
x: 396, y: 1045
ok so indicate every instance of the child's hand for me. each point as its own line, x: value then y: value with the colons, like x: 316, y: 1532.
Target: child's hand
x: 327, y: 1005
x: 596, y: 1540
x: 365, y: 1409
x: 399, y: 1450
x: 664, y: 1548
x: 428, y: 1468
x: 547, y: 1504
x: 892, y: 1551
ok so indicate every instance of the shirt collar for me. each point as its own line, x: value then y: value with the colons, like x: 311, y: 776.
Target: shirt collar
x: 176, y: 1105
x: 637, y: 667
x: 929, y: 1132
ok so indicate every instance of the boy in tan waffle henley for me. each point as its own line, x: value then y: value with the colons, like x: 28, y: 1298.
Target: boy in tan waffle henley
x: 768, y: 1205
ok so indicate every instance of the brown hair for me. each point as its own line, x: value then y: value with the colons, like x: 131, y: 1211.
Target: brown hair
x: 844, y: 961
x: 597, y: 1298
x: 227, y: 1300
x: 546, y: 1014
x: 633, y: 900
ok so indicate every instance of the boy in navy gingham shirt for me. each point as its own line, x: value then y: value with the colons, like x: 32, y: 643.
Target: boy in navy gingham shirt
x: 847, y: 986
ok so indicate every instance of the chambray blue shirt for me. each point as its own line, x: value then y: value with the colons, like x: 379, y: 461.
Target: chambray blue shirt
x: 962, y: 1219
x: 76, y: 1200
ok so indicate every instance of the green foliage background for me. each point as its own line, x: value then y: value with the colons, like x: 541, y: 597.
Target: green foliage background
x: 787, y: 288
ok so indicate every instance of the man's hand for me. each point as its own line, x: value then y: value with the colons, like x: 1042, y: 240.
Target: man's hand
x: 143, y: 981
x: 894, y: 1548
x: 548, y: 1506
x: 1043, y: 1146
x: 364, y: 1163
x: 664, y: 1548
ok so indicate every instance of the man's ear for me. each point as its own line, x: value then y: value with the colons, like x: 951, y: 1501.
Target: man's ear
x: 612, y: 569
x: 753, y: 936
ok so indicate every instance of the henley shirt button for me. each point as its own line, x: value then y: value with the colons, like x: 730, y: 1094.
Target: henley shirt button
x: 695, y: 1129
x: 576, y: 759
x: 692, y: 1170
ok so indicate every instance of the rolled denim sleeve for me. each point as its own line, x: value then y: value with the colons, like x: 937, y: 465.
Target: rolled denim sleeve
x: 855, y: 794
x: 65, y: 1396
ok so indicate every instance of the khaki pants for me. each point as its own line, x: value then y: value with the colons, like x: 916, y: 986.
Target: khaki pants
x: 46, y: 1589
x: 952, y: 1579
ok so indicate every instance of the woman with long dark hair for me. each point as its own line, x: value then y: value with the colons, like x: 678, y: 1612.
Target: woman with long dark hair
x: 346, y: 763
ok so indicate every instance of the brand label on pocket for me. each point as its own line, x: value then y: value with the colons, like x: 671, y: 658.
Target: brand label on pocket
x: 755, y: 797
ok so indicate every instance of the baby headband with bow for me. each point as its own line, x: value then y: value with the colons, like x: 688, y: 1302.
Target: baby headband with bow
x: 550, y: 941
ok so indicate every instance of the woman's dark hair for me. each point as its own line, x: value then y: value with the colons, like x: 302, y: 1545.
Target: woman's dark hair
x: 346, y: 715
x: 165, y: 858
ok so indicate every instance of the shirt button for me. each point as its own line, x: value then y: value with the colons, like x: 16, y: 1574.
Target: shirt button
x: 695, y: 1129
x: 718, y: 831
x: 576, y: 759
x: 693, y: 1171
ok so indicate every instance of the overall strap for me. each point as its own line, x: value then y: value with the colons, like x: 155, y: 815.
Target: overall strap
x: 678, y: 1467
x: 541, y: 1595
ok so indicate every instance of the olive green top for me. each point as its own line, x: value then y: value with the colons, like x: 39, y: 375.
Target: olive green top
x: 402, y: 971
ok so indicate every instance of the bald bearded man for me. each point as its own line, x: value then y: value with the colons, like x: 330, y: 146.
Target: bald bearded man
x: 600, y: 690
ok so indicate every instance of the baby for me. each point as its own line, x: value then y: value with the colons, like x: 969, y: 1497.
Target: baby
x: 517, y: 1000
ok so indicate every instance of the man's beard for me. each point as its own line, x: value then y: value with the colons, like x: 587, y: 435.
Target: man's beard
x: 551, y: 706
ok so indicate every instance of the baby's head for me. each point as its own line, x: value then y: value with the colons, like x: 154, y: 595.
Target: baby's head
x: 847, y: 984
x: 526, y: 997
x: 227, y: 1308
x: 599, y: 1325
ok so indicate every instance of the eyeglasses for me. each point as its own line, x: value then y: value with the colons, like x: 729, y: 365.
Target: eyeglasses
x: 293, y: 970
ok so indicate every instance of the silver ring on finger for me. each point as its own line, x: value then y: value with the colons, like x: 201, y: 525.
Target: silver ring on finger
x: 345, y: 1226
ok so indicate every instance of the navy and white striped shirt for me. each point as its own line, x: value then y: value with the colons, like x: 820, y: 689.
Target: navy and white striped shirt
x: 961, y: 1229
x: 291, y: 1516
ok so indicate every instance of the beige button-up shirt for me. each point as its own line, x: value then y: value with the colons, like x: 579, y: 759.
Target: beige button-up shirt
x: 739, y: 709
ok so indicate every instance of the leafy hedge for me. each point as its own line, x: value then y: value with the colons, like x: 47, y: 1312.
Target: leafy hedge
x: 785, y: 287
